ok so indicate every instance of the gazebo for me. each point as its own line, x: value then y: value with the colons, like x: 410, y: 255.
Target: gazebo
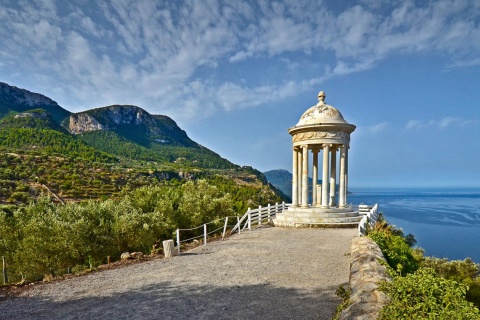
x: 321, y: 129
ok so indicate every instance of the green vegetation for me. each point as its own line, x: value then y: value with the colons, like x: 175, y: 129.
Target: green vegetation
x: 425, y: 287
x: 49, y: 142
x: 189, y: 157
x: 68, y: 201
x: 44, y: 238
x: 423, y: 295
x: 398, y: 253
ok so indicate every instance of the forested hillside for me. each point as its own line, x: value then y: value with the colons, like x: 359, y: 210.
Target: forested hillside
x: 98, y: 153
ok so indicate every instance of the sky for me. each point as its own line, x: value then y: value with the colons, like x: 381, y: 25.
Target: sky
x: 235, y: 75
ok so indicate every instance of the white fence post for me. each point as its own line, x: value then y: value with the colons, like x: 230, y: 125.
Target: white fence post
x: 225, y: 227
x: 178, y: 241
x: 259, y: 215
x: 268, y: 213
x: 249, y: 220
x: 238, y: 224
x: 205, y: 234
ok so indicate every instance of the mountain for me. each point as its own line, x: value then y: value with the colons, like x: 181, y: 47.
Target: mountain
x: 103, y: 152
x: 16, y: 100
x: 123, y: 131
x: 131, y: 132
x: 282, y: 179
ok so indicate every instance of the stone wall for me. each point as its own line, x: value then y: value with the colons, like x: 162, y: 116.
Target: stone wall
x: 366, y: 272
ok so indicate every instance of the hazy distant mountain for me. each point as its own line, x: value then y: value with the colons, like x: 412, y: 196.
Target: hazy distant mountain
x: 16, y: 100
x: 282, y: 179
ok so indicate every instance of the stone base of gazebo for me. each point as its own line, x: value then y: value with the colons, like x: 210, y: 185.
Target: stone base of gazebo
x: 313, y: 217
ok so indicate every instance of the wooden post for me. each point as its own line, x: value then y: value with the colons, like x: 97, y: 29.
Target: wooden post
x: 259, y: 215
x: 5, y: 276
x: 168, y: 248
x: 178, y: 241
x: 108, y: 260
x: 238, y: 224
x: 249, y: 220
x: 225, y: 228
x: 205, y: 234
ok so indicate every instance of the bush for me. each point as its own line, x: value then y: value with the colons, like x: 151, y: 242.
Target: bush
x: 46, y: 239
x: 399, y: 255
x: 466, y: 272
x: 423, y: 296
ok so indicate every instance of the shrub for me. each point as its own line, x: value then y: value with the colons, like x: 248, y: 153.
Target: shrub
x: 399, y: 255
x: 421, y: 295
x: 466, y: 272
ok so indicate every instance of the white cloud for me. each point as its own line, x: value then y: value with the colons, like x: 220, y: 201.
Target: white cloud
x: 153, y: 53
x: 379, y: 127
x: 441, y: 124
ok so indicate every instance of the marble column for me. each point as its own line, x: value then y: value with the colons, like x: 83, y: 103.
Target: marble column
x: 295, y: 178
x: 346, y: 175
x: 326, y: 150
x: 305, y: 177
x: 333, y: 176
x: 299, y: 176
x: 315, y: 177
x: 341, y: 197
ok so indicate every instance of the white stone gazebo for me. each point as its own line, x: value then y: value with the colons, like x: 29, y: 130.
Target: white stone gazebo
x: 321, y: 129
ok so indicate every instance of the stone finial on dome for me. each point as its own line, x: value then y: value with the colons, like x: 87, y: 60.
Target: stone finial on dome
x: 321, y: 96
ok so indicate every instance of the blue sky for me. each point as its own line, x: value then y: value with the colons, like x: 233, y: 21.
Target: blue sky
x: 237, y: 74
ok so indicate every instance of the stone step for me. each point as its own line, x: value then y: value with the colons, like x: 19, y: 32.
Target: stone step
x: 314, y: 225
x: 287, y: 218
x: 317, y: 209
x: 307, y: 214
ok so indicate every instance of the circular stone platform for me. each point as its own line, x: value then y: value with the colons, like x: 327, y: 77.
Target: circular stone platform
x: 318, y: 218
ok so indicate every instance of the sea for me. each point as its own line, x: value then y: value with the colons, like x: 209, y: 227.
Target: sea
x: 444, y: 221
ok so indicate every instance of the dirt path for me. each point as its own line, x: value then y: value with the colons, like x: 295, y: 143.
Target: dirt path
x: 268, y: 273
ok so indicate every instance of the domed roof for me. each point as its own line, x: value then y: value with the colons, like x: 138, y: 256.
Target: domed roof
x: 321, y: 113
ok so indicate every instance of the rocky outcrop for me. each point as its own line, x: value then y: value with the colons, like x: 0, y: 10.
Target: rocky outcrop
x: 37, y: 115
x: 107, y: 118
x: 83, y: 122
x: 131, y: 122
x: 366, y: 272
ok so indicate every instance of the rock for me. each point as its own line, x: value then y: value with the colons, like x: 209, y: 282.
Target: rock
x: 133, y: 255
x: 136, y: 255
x: 125, y: 256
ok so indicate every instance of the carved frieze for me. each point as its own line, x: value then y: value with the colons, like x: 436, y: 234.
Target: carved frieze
x: 320, y: 134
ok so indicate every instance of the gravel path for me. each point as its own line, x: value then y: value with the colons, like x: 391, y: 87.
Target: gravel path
x: 268, y: 273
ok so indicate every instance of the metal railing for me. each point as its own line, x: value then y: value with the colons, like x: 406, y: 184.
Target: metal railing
x: 368, y: 221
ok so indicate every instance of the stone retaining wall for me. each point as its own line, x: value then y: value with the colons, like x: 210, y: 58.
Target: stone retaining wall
x: 365, y: 274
